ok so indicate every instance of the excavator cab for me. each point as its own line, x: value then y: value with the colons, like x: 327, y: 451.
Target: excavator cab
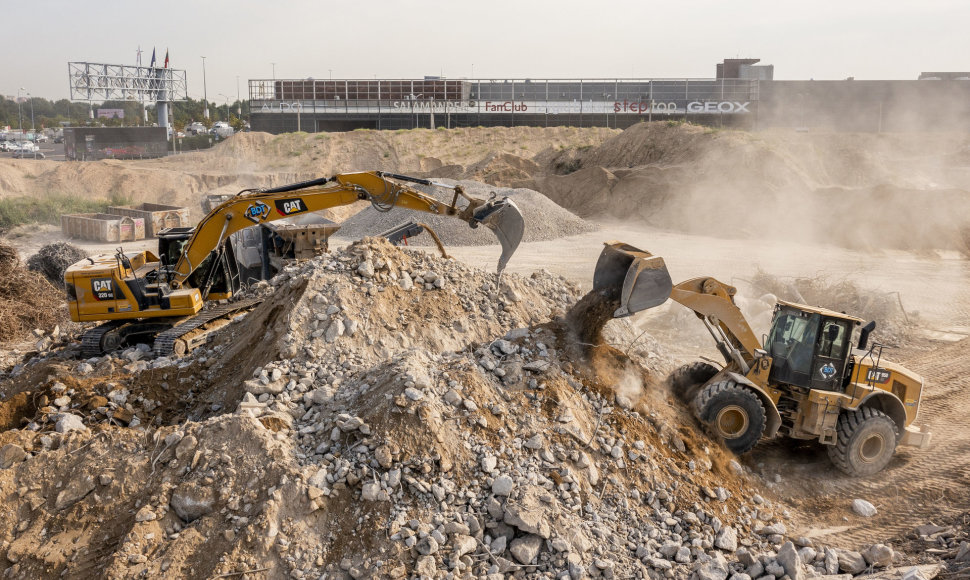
x: 637, y: 278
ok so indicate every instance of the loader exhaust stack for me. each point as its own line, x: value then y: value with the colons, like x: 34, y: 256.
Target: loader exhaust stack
x: 641, y: 278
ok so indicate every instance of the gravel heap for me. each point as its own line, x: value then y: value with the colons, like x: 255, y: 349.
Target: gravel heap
x: 544, y: 220
x: 394, y: 414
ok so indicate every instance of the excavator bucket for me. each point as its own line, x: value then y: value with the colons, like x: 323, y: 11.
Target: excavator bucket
x: 503, y: 217
x: 640, y: 277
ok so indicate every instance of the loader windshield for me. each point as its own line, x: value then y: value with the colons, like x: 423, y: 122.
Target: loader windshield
x: 791, y: 345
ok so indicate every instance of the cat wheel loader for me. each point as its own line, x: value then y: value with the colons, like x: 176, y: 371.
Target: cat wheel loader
x: 806, y: 382
x: 143, y: 297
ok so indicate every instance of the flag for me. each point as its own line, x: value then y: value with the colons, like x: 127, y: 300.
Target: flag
x: 166, y: 58
x: 153, y: 59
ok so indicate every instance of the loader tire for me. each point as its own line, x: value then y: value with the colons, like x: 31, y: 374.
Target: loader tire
x: 865, y: 443
x: 733, y: 413
x: 685, y: 381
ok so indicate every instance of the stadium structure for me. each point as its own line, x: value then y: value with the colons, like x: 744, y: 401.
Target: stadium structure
x: 743, y: 94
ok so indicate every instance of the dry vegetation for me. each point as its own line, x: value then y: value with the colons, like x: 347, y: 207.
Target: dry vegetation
x: 28, y: 300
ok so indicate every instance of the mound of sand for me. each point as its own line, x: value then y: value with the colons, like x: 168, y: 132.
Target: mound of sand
x: 544, y: 220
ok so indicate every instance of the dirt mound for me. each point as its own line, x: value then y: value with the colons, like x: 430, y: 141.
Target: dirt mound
x: 852, y: 190
x: 53, y: 260
x: 27, y: 300
x: 544, y: 220
x: 407, y: 431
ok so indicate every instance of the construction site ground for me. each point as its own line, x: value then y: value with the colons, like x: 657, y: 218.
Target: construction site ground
x: 58, y: 501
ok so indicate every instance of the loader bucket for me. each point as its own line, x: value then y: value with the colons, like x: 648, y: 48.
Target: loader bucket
x: 640, y: 277
x: 503, y: 217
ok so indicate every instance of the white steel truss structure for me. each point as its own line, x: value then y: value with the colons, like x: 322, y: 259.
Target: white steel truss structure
x: 91, y: 81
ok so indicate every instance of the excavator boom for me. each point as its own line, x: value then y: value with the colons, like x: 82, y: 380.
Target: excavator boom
x: 253, y: 207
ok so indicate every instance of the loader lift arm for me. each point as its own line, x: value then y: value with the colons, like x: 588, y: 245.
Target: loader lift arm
x: 713, y: 302
x: 382, y: 190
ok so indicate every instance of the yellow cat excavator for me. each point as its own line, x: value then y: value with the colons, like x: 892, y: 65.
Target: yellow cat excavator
x: 148, y: 298
x: 806, y: 382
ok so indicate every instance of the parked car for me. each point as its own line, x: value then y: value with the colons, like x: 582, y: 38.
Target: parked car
x: 59, y: 139
x: 221, y: 129
x: 40, y: 138
x: 22, y: 154
x: 7, y: 146
x: 195, y: 128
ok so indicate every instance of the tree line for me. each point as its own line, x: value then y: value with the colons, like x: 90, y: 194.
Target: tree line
x: 53, y: 114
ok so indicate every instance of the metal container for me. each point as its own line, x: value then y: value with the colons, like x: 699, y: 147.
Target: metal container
x: 103, y: 227
x: 156, y: 216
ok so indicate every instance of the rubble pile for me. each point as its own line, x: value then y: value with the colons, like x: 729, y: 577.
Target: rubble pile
x: 383, y: 413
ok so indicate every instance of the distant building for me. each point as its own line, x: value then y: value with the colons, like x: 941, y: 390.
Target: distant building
x: 944, y: 76
x: 744, y: 94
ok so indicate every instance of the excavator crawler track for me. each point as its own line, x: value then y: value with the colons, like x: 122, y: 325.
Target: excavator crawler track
x: 91, y: 340
x: 166, y: 342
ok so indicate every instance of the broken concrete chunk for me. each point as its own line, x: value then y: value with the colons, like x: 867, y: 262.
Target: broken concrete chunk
x: 191, y: 501
x: 863, y: 508
x: 526, y: 549
x: 10, y: 455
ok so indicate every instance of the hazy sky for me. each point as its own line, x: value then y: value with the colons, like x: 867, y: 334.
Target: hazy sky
x: 821, y: 39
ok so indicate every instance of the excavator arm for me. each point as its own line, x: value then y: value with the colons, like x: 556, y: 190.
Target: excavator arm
x: 382, y: 190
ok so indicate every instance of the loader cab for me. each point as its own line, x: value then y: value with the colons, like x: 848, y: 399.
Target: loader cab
x: 809, y: 346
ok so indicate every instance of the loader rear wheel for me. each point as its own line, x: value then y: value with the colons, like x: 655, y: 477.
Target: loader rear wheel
x: 685, y: 381
x: 733, y: 413
x: 866, y: 442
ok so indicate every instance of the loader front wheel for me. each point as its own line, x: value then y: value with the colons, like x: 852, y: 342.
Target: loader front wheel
x: 866, y: 442
x: 685, y: 381
x: 733, y: 413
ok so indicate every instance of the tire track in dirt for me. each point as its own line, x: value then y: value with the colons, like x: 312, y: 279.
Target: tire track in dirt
x: 918, y: 486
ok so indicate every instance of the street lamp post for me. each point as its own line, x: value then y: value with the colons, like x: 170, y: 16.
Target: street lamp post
x: 227, y: 105
x: 238, y: 102
x: 274, y: 70
x: 20, y: 110
x: 205, y: 97
x: 31, y: 99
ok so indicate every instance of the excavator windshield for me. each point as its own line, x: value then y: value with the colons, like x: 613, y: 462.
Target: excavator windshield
x: 791, y: 344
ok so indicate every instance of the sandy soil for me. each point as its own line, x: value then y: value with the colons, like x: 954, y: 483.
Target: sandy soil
x: 899, y: 204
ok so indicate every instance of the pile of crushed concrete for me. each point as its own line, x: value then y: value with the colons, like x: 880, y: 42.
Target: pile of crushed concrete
x: 383, y: 413
x: 544, y: 220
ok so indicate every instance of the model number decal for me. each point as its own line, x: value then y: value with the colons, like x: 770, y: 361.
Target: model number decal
x: 290, y: 206
x: 880, y: 376
x: 103, y: 288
